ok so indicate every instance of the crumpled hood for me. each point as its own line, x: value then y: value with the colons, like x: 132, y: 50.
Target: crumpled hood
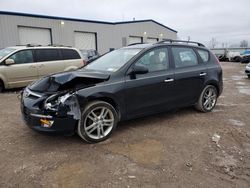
x: 69, y: 80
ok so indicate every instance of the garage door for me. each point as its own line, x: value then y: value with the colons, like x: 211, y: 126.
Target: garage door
x: 152, y: 40
x: 133, y: 40
x: 85, y: 40
x: 30, y: 35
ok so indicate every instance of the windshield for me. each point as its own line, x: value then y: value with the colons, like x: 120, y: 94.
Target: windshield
x: 6, y: 51
x: 113, y: 61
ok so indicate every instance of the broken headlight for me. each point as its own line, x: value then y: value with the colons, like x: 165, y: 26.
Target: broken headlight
x: 63, y: 104
x: 53, y: 102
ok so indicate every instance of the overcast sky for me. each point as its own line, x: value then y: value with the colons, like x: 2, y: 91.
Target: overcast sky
x: 226, y: 20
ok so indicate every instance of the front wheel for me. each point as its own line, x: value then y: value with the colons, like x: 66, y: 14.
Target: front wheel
x: 98, y: 121
x: 208, y: 99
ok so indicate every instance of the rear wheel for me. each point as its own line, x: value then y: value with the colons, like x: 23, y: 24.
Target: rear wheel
x: 1, y: 86
x: 208, y: 99
x: 98, y: 121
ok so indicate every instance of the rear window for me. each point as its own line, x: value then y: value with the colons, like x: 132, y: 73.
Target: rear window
x: 47, y: 55
x: 204, y: 55
x: 70, y: 54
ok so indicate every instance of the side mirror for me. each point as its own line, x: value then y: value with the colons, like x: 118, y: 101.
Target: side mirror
x: 9, y: 62
x: 140, y: 69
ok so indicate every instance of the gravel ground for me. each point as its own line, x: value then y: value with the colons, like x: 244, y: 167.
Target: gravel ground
x: 183, y: 148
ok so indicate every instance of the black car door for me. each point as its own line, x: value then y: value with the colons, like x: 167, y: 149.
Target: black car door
x: 190, y: 75
x: 153, y: 91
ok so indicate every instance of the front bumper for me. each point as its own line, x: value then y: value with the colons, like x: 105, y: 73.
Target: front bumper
x: 33, y: 117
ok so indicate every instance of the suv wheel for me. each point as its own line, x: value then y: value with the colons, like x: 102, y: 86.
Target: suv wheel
x: 1, y: 86
x: 98, y: 121
x: 208, y: 99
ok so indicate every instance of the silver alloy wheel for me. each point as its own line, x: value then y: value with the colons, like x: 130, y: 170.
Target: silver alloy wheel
x: 209, y: 98
x: 99, y: 122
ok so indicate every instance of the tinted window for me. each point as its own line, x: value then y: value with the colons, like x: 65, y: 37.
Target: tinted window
x: 155, y: 60
x: 70, y: 54
x: 204, y: 55
x: 47, y: 55
x: 24, y: 56
x: 184, y: 57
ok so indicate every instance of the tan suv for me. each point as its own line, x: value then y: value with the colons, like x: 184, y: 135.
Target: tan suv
x: 20, y: 65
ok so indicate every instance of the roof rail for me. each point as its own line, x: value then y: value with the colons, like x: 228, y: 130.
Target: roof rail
x: 181, y: 41
x: 58, y: 45
x: 33, y: 45
x: 136, y: 43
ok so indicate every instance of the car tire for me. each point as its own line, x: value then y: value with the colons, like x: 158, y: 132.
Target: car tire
x: 248, y: 76
x: 98, y: 121
x: 1, y: 86
x: 207, y: 99
x: 237, y: 59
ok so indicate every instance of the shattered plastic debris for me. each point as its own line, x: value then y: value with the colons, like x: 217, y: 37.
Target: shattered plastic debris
x: 216, y: 139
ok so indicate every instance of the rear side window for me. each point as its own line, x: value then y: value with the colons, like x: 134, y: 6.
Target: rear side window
x: 204, y: 55
x: 47, y: 55
x: 24, y: 56
x: 70, y: 54
x: 184, y: 57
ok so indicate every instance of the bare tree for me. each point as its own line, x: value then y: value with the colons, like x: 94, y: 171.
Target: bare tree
x: 213, y: 42
x: 244, y: 43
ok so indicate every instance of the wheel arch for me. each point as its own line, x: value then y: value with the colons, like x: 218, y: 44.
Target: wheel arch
x: 107, y: 99
x: 215, y: 84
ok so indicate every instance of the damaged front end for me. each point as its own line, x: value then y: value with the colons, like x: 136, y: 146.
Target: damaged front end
x: 51, y: 113
x: 51, y: 104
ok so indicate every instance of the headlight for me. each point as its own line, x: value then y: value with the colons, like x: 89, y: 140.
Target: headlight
x: 52, y: 103
x: 63, y: 104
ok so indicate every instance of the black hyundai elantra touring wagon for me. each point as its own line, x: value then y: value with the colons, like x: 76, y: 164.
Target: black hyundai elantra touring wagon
x: 130, y: 82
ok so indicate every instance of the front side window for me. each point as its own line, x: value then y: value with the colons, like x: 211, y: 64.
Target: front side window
x: 24, y: 56
x: 155, y: 60
x: 204, y: 55
x: 113, y: 61
x: 47, y: 55
x: 184, y: 57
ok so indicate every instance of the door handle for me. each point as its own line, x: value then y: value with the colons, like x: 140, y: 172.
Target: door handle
x: 169, y: 80
x: 203, y: 74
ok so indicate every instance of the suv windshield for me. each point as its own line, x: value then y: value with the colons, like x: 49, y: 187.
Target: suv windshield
x: 113, y: 61
x: 6, y: 51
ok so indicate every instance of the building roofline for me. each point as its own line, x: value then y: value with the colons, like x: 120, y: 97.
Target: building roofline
x: 149, y: 20
x: 80, y: 20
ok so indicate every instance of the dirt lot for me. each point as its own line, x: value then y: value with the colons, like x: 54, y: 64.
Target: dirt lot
x: 173, y: 149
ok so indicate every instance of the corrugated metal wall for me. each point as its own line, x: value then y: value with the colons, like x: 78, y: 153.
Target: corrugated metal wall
x: 108, y: 35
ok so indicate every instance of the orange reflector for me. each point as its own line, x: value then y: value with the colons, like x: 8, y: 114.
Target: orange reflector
x: 46, y: 123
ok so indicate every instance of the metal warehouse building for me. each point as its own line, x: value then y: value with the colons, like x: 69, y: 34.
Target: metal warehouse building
x: 21, y: 29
